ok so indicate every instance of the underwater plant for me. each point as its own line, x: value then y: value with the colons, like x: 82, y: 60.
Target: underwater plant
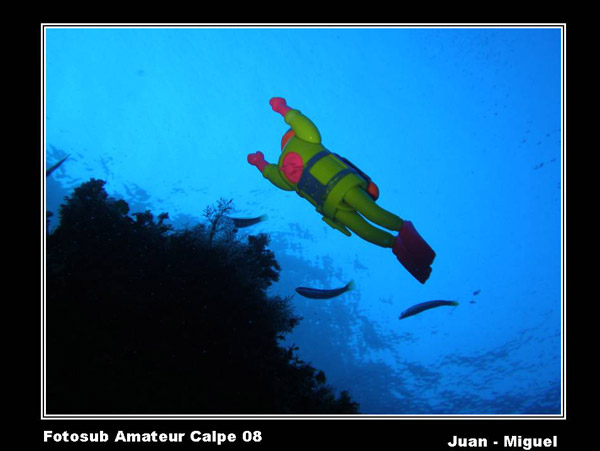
x: 142, y: 318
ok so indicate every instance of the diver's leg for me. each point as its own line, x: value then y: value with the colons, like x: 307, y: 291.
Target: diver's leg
x: 358, y: 199
x: 409, y: 247
x: 363, y: 229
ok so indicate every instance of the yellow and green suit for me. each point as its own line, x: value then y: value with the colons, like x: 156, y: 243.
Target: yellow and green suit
x: 335, y: 188
x: 339, y: 191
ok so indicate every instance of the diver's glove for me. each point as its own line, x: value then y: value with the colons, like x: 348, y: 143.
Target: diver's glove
x: 257, y: 159
x: 279, y: 105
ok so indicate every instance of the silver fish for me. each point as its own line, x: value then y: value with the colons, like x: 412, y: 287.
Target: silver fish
x: 418, y: 308
x: 55, y: 166
x: 247, y: 222
x: 314, y: 293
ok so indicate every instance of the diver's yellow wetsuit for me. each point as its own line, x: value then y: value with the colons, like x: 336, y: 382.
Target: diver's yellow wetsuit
x: 341, y: 193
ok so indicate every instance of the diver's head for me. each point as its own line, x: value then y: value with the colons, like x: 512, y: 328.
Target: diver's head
x: 286, y: 137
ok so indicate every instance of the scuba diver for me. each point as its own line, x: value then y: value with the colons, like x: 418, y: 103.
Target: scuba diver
x: 341, y: 192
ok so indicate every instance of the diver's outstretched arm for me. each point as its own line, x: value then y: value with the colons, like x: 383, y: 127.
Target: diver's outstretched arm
x: 269, y: 171
x: 303, y: 127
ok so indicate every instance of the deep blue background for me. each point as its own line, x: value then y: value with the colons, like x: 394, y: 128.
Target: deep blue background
x: 459, y: 127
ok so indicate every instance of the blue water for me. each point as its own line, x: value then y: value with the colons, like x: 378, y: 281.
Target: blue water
x: 459, y: 127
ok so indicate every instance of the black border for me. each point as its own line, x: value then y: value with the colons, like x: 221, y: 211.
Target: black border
x: 427, y: 432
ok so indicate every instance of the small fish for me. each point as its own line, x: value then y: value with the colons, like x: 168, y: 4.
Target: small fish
x: 247, y: 222
x: 314, y: 293
x: 476, y: 292
x: 418, y: 308
x: 55, y: 166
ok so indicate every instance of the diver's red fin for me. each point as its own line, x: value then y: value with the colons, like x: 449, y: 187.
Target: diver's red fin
x: 413, y: 252
x: 420, y: 251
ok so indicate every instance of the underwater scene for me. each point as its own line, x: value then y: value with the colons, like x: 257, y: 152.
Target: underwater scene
x: 286, y: 220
